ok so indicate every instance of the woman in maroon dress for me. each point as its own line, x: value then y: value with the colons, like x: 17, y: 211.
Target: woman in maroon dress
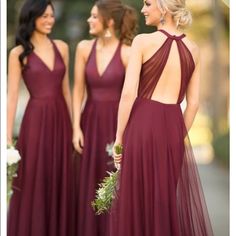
x: 99, y: 74
x: 160, y: 192
x: 42, y: 193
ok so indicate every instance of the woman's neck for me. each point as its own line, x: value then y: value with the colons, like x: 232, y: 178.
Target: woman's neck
x: 169, y: 25
x: 39, y: 39
x: 106, y: 41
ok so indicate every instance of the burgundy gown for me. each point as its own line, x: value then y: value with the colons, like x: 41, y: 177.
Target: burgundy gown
x: 98, y: 124
x: 160, y: 192
x: 40, y: 205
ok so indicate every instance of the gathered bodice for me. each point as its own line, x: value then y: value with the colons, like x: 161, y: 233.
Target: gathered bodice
x: 41, y: 81
x: 108, y: 86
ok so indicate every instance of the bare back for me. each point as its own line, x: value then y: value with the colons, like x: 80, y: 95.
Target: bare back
x: 167, y: 68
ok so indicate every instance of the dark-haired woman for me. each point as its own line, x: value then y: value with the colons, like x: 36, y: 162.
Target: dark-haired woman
x: 41, y: 198
x: 100, y: 66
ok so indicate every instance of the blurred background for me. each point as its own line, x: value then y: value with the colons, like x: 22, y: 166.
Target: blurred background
x: 210, y: 132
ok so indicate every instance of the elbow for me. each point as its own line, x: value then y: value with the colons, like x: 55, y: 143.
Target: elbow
x: 67, y: 94
x: 78, y: 89
x: 128, y: 96
x: 12, y: 98
x: 194, y: 106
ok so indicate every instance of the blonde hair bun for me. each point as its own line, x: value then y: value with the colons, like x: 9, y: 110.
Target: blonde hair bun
x: 177, y: 9
x: 182, y: 17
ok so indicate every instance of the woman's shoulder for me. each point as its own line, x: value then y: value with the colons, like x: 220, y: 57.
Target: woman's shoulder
x: 140, y: 38
x: 84, y: 48
x: 62, y: 46
x: 14, y: 54
x: 143, y: 40
x: 156, y: 38
x: 85, y: 45
x: 125, y: 53
x: 16, y: 51
x: 193, y: 48
x: 138, y: 41
x: 146, y: 36
x: 125, y: 49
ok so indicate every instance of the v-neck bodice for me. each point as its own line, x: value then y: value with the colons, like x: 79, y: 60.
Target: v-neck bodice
x: 107, y: 86
x: 40, y: 80
x: 101, y: 74
x: 43, y: 62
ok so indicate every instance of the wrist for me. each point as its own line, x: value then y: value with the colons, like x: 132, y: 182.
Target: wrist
x: 118, y: 139
x: 9, y: 141
x: 76, y: 128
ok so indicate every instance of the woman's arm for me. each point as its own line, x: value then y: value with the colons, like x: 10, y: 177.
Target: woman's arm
x: 125, y: 54
x: 13, y: 84
x: 192, y: 94
x: 130, y: 88
x: 78, y: 94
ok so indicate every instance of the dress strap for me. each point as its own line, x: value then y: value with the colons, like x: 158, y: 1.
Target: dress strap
x: 54, y: 45
x: 118, y: 50
x: 94, y: 46
x: 174, y: 37
x: 57, y: 52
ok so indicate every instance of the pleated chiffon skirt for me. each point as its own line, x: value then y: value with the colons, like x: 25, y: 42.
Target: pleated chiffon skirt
x: 160, y: 193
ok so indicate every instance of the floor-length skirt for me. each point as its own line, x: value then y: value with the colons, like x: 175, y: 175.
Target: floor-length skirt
x: 99, y: 126
x: 41, y: 202
x: 160, y: 193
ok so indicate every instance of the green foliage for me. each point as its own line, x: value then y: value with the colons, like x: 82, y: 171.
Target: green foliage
x: 11, y: 174
x: 106, y: 193
x: 118, y: 149
x: 221, y: 148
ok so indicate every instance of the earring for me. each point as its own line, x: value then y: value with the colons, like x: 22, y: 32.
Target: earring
x: 107, y: 33
x: 162, y: 20
x: 177, y: 24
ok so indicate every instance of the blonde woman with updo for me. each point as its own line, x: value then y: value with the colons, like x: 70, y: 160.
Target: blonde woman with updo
x: 160, y: 193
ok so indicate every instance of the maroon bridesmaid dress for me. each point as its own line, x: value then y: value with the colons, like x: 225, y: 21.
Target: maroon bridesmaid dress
x: 40, y: 205
x: 98, y: 124
x: 160, y: 191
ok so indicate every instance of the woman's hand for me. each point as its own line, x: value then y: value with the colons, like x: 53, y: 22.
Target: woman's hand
x: 78, y: 140
x: 9, y: 142
x: 117, y: 154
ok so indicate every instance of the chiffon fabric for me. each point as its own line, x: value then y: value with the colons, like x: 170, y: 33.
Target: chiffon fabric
x: 160, y: 193
x: 41, y: 201
x: 98, y: 123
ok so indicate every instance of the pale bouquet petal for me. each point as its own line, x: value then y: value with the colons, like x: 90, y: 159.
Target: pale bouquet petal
x: 13, y: 156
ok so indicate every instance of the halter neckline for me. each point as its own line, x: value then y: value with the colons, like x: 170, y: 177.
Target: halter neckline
x: 175, y: 37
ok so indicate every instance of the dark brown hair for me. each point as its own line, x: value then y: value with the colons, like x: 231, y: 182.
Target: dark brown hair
x: 125, y: 18
x: 30, y: 11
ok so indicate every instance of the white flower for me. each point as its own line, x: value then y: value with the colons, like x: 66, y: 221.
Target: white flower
x: 13, y: 156
x: 109, y: 149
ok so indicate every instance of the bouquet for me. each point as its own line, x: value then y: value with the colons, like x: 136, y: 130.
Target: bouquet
x: 108, y: 188
x: 13, y: 157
